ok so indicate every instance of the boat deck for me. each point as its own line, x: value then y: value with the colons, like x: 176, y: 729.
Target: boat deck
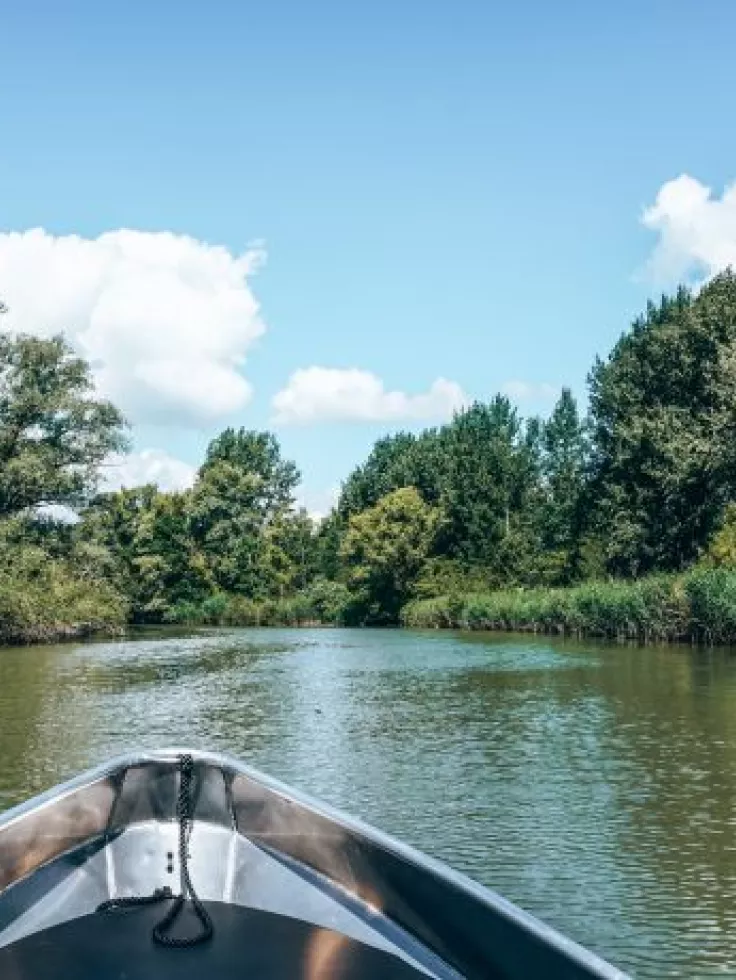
x: 247, y: 942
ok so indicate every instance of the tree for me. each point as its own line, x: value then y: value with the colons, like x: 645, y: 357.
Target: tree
x: 722, y: 549
x: 154, y: 560
x: 112, y: 521
x: 290, y: 559
x: 273, y: 479
x: 384, y: 550
x: 663, y: 410
x: 169, y: 569
x: 329, y: 535
x: 383, y: 472
x: 490, y: 472
x: 243, y: 489
x: 54, y: 434
x: 396, y: 461
x: 563, y: 467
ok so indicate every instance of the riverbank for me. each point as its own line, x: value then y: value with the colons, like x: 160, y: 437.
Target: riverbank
x: 45, y: 601
x: 698, y: 607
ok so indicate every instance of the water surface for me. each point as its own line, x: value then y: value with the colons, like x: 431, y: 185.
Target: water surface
x: 594, y: 785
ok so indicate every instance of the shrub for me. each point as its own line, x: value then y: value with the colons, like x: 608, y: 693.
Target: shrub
x: 700, y: 605
x: 44, y: 599
x: 327, y: 601
x: 712, y: 596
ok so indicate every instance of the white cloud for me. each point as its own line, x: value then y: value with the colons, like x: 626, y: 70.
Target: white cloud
x: 149, y: 466
x: 526, y: 391
x: 697, y: 231
x: 58, y: 512
x: 165, y: 320
x: 320, y: 394
x: 317, y: 504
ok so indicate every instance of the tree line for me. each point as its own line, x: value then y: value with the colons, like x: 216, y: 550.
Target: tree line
x: 640, y: 483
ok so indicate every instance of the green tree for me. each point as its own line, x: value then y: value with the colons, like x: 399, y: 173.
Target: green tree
x: 243, y: 489
x: 258, y: 454
x: 290, y: 560
x: 563, y: 467
x: 721, y: 551
x: 153, y: 557
x: 382, y: 472
x: 112, y: 521
x: 329, y: 535
x: 54, y: 434
x: 396, y: 461
x: 663, y: 410
x: 490, y: 474
x: 384, y: 550
x: 169, y: 569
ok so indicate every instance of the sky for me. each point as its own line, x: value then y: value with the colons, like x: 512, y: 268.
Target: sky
x: 336, y: 220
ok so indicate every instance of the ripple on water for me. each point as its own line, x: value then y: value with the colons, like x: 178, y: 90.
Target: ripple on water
x: 594, y: 785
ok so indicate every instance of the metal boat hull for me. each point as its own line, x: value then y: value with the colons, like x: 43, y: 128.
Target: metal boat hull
x: 342, y: 894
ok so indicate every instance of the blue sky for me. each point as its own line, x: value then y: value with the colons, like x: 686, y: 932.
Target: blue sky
x: 441, y: 190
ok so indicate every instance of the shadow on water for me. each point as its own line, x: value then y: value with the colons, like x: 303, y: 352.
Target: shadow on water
x: 163, y: 662
x: 594, y: 784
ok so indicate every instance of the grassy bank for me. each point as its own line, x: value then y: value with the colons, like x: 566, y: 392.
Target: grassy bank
x: 323, y: 603
x: 48, y: 601
x: 51, y: 601
x: 699, y: 606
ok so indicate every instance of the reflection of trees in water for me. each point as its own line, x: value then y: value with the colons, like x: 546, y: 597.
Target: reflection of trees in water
x: 25, y: 677
x: 144, y: 664
x: 675, y: 727
x: 648, y: 735
x: 67, y: 707
x: 599, y: 780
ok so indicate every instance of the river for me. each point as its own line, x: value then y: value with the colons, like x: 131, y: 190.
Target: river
x: 594, y: 785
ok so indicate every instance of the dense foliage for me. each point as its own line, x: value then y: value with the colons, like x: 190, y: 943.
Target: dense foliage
x: 621, y: 521
x: 52, y: 589
x: 699, y: 605
x: 663, y: 412
x: 53, y: 434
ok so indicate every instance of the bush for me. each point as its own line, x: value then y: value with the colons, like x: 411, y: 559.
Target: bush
x: 700, y: 606
x: 322, y: 602
x: 45, y: 599
x: 327, y: 601
x: 722, y: 548
x: 712, y: 596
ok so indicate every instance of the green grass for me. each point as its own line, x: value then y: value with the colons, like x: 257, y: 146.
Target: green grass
x: 322, y: 603
x: 699, y: 606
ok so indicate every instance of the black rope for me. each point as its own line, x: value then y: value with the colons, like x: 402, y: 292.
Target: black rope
x: 184, y: 814
x: 184, y: 808
x: 121, y: 903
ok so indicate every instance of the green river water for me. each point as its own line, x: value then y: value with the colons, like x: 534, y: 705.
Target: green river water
x: 594, y: 785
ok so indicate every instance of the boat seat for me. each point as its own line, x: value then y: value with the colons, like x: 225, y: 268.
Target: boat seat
x: 248, y: 943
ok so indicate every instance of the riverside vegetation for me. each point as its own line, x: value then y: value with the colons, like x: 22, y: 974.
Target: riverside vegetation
x: 619, y: 522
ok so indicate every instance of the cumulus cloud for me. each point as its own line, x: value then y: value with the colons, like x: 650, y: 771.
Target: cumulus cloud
x: 165, y: 320
x: 149, y: 466
x: 320, y: 394
x: 526, y: 391
x: 317, y: 503
x: 697, y: 230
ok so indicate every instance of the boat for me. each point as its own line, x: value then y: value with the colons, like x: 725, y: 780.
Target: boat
x: 186, y: 864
